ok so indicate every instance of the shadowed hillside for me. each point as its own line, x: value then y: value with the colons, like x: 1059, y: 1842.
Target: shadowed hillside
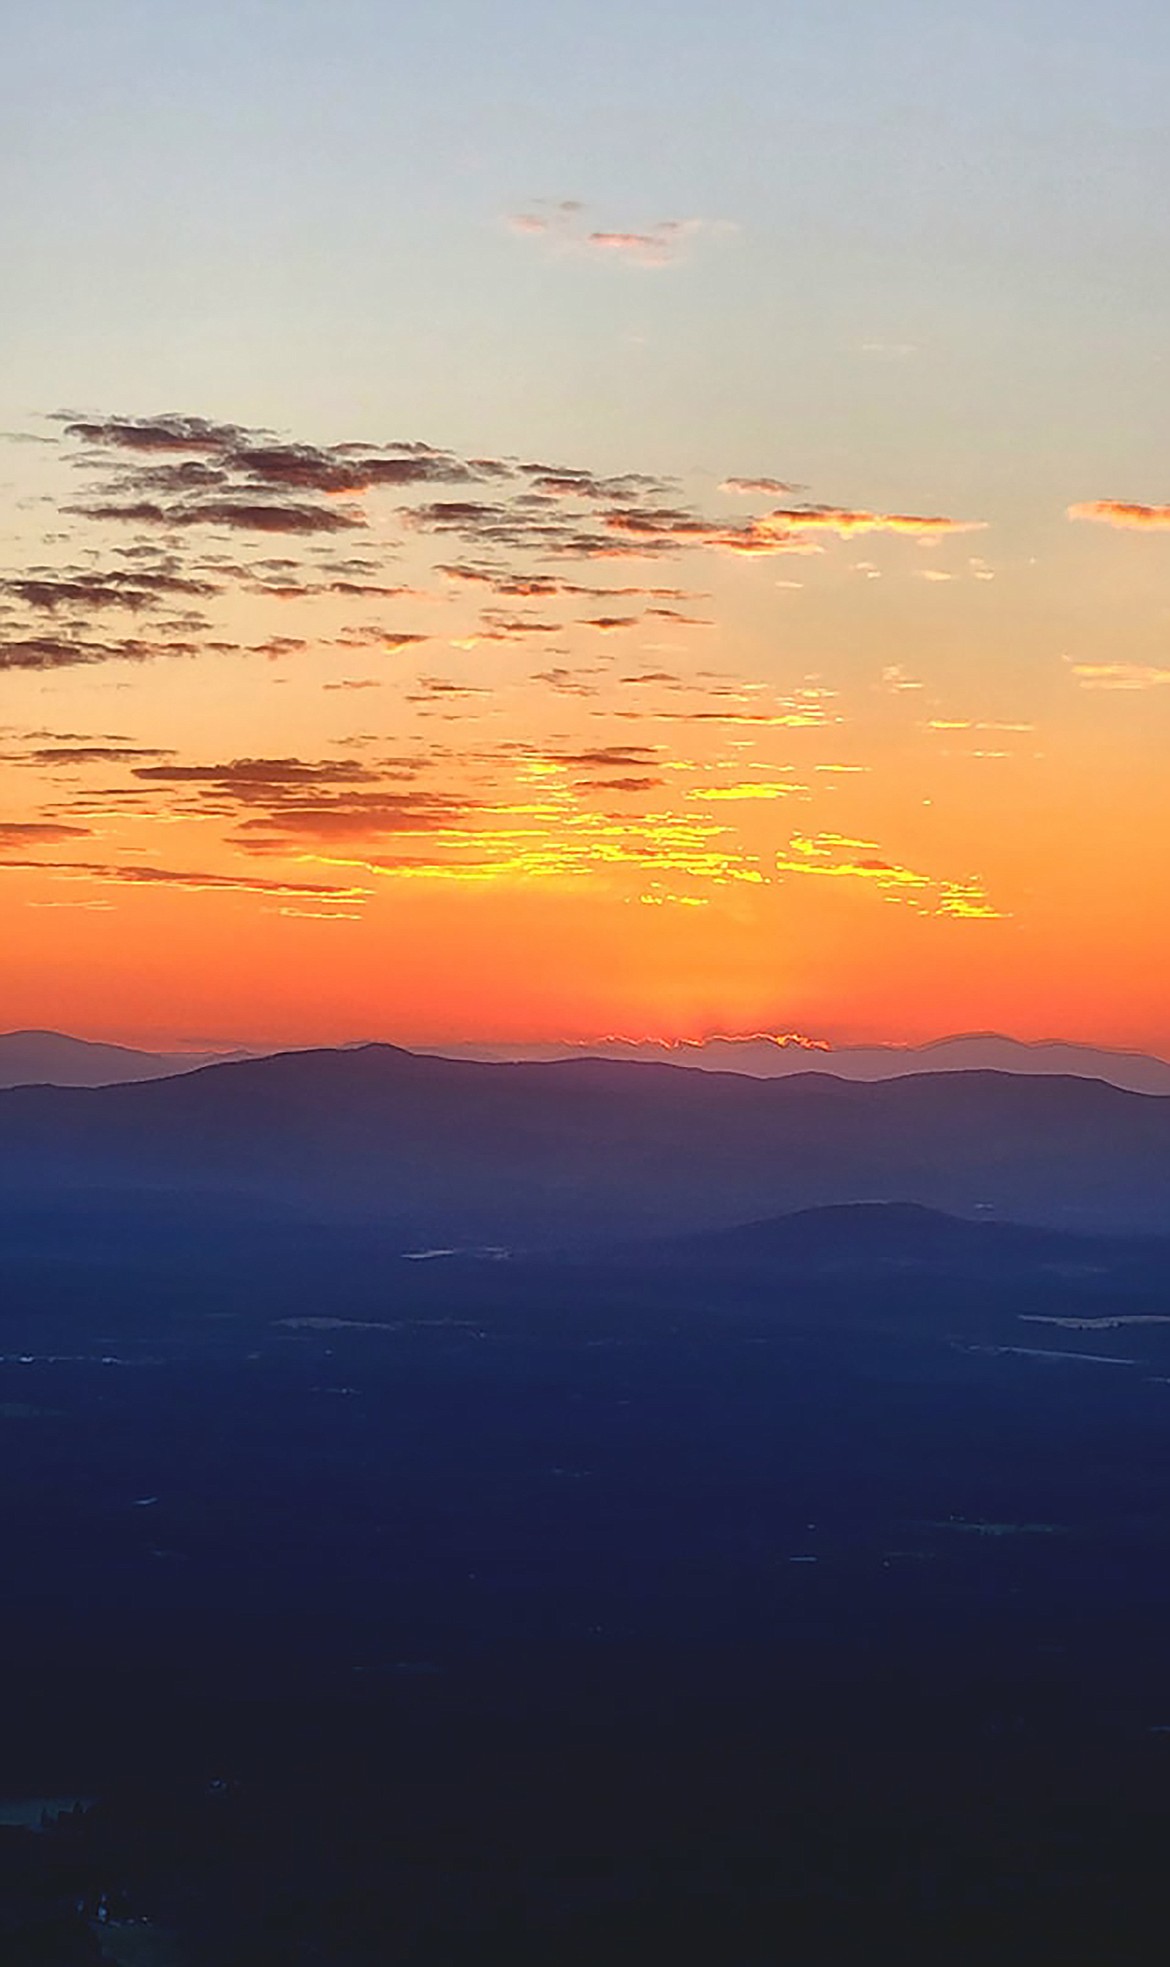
x: 461, y: 1152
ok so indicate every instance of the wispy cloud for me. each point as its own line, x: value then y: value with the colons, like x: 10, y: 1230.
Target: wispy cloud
x: 277, y: 803
x: 71, y: 756
x: 223, y: 514
x: 37, y: 833
x: 657, y: 247
x: 1116, y: 512
x: 749, y: 789
x: 565, y: 227
x: 846, y: 522
x: 837, y: 857
x: 185, y: 478
x: 502, y: 610
x: 759, y: 487
x: 1120, y: 676
x: 185, y: 472
x: 137, y: 875
x: 133, y: 589
x: 47, y: 652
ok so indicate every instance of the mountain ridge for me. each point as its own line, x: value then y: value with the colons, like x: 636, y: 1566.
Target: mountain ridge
x: 465, y: 1152
x: 39, y: 1057
x: 44, y: 1057
x: 762, y: 1056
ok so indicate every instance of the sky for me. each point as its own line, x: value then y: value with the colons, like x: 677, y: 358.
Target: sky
x: 525, y: 523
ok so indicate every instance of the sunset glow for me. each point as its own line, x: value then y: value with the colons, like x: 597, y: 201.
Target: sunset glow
x: 557, y: 674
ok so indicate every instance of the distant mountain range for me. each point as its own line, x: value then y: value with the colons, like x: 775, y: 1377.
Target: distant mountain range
x: 51, y: 1058
x: 454, y: 1153
x: 777, y: 1058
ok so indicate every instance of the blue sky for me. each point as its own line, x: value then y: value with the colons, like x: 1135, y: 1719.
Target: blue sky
x: 291, y: 208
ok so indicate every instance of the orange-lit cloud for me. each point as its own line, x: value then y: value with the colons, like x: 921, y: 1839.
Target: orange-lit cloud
x: 1120, y: 676
x: 164, y: 877
x: 846, y: 523
x: 37, y: 833
x: 837, y: 857
x: 759, y: 487
x: 563, y: 226
x: 787, y: 529
x: 654, y: 248
x: 445, y: 692
x: 46, y: 652
x: 751, y: 789
x: 1116, y: 512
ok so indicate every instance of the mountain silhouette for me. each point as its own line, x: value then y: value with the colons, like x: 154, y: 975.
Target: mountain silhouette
x: 776, y: 1058
x: 454, y: 1152
x: 874, y: 1241
x: 53, y: 1058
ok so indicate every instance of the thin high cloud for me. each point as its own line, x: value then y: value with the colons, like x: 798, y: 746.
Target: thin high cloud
x: 838, y: 857
x: 547, y: 812
x: 75, y: 755
x: 750, y: 789
x: 558, y: 811
x: 48, y: 652
x: 278, y: 804
x: 244, y: 777
x: 609, y: 757
x: 1120, y: 676
x: 185, y: 472
x: 564, y: 227
x: 78, y: 589
x: 534, y: 586
x: 136, y: 875
x: 1126, y: 516
x: 361, y: 817
x: 654, y: 848
x: 759, y: 487
x: 568, y: 682
x: 218, y: 455
x: 166, y: 551
x: 846, y: 522
x: 225, y: 514
x: 37, y: 833
x: 658, y: 246
x: 649, y: 531
x: 172, y: 482
x: 626, y: 785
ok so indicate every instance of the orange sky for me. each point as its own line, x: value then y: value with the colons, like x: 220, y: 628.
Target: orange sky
x: 580, y: 524
x: 480, y: 750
